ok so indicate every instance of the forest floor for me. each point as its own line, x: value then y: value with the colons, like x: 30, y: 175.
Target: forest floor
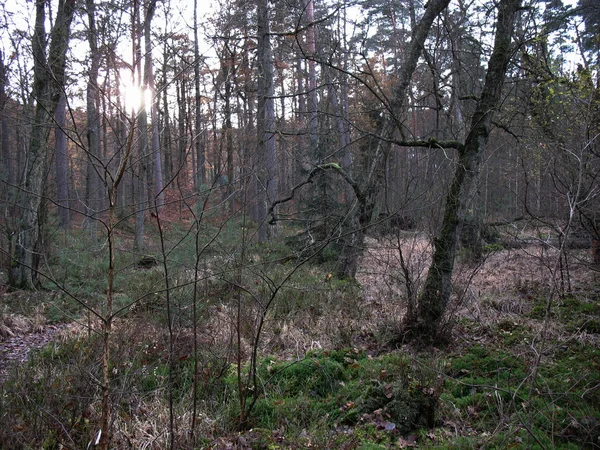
x: 519, y: 366
x: 15, y: 349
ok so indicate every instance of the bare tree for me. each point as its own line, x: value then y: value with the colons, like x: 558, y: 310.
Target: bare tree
x: 371, y: 184
x: 438, y: 285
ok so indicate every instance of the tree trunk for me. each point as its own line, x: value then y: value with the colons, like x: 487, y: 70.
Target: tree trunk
x: 48, y: 82
x: 267, y: 150
x: 198, y: 138
x: 344, y: 119
x: 159, y: 184
x: 93, y: 127
x: 438, y: 285
x: 312, y: 104
x: 227, y: 73
x: 168, y: 168
x: 181, y: 169
x: 4, y: 152
x: 141, y: 184
x: 353, y: 249
x: 62, y: 165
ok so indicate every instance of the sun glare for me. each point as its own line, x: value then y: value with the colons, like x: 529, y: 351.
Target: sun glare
x: 136, y: 97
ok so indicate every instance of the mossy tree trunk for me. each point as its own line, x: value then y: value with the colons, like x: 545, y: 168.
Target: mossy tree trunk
x: 438, y: 285
x: 472, y: 224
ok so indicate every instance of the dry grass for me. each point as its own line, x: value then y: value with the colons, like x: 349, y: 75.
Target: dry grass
x: 504, y: 288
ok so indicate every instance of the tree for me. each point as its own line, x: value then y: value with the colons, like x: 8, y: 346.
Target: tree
x: 62, y: 164
x: 198, y: 138
x: 48, y: 84
x: 141, y: 181
x: 438, y: 285
x: 93, y: 126
x: 4, y: 141
x: 386, y: 134
x: 265, y: 122
x: 159, y: 185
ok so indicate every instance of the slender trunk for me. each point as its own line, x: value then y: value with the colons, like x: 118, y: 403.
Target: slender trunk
x: 227, y: 73
x: 343, y: 135
x: 283, y: 160
x: 62, y: 165
x: 141, y: 186
x: 344, y: 120
x: 267, y: 149
x: 105, y: 419
x: 159, y: 185
x: 438, y: 285
x: 198, y: 139
x: 312, y: 104
x: 182, y: 138
x: 168, y: 168
x: 4, y: 151
x: 93, y: 127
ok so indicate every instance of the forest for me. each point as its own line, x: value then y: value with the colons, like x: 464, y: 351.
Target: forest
x: 289, y: 224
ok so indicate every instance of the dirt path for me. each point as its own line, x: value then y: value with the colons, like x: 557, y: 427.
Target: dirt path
x: 15, y: 349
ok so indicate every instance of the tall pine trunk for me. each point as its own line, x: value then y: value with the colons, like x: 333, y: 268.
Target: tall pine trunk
x: 198, y: 138
x: 140, y: 183
x: 4, y: 141
x: 265, y: 121
x: 93, y: 127
x: 159, y: 195
x: 62, y: 165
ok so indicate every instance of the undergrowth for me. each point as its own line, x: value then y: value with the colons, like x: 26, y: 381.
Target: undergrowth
x: 325, y: 378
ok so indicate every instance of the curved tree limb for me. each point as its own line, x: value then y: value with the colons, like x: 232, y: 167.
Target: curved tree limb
x: 320, y: 168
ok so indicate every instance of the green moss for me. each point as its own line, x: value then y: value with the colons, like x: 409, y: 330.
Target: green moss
x: 488, y: 364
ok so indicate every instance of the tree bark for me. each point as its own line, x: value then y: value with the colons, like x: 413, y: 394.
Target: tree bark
x: 141, y: 182
x: 438, y: 285
x: 198, y: 138
x: 182, y: 143
x: 312, y: 103
x: 168, y: 167
x: 48, y: 83
x: 4, y: 151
